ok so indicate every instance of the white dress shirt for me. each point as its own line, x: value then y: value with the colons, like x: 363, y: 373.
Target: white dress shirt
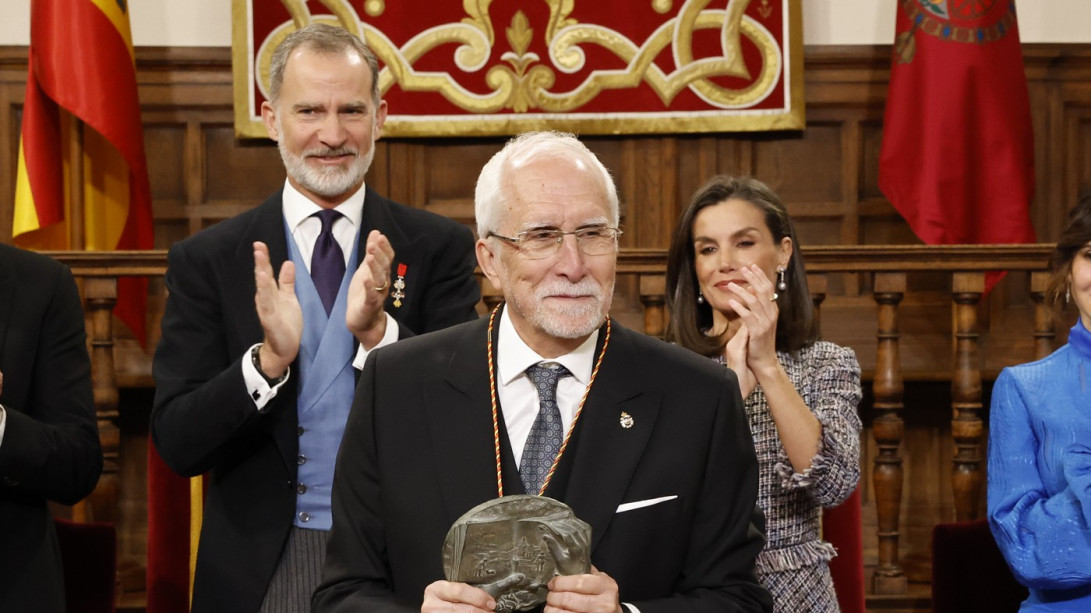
x: 518, y: 396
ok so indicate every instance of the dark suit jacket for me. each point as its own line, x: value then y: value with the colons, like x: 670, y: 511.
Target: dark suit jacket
x: 51, y: 447
x: 204, y: 419
x: 418, y: 452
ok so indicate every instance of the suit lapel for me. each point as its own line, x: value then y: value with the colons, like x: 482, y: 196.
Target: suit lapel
x: 606, y: 459
x: 267, y: 227
x: 460, y: 425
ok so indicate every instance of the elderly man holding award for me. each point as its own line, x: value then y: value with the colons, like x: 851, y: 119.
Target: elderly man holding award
x: 636, y: 453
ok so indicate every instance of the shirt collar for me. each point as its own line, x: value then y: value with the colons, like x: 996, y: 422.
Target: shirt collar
x: 298, y: 207
x: 518, y: 356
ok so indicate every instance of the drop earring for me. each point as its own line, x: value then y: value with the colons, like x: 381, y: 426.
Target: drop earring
x: 700, y: 298
x: 781, y: 283
x: 1068, y: 294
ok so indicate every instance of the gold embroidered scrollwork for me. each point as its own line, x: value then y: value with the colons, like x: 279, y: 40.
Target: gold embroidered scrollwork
x: 524, y: 82
x: 527, y: 84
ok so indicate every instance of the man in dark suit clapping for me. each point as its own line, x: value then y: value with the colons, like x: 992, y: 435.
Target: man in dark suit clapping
x: 270, y: 314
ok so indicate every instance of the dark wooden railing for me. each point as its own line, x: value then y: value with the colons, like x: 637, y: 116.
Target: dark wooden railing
x: 882, y: 271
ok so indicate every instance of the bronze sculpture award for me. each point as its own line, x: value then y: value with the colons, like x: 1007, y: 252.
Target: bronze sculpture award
x: 512, y: 546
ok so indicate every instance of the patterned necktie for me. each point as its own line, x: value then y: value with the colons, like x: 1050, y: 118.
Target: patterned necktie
x: 327, y: 260
x: 544, y: 441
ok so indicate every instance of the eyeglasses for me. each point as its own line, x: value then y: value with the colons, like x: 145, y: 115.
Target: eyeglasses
x: 545, y: 242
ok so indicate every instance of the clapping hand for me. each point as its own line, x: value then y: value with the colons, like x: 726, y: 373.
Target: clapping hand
x: 368, y: 290
x: 735, y: 354
x: 279, y: 312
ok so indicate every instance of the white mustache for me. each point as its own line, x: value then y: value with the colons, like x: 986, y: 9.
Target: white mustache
x: 584, y: 287
x: 330, y: 152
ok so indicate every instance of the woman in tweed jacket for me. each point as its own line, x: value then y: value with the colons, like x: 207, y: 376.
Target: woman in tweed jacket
x: 737, y: 292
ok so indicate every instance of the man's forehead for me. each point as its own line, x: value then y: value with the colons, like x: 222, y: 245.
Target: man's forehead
x: 555, y: 176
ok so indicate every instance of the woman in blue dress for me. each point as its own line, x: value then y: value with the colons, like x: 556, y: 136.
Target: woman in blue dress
x: 1040, y: 447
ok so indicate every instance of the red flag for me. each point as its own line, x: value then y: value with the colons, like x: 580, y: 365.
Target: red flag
x: 81, y: 62
x: 957, y: 158
x: 175, y: 512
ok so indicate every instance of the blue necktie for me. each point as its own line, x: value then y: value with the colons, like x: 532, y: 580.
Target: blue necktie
x: 544, y: 440
x: 327, y: 261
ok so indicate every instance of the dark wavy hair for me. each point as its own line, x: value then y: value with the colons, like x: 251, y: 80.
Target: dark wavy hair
x: 796, y: 325
x: 1076, y: 234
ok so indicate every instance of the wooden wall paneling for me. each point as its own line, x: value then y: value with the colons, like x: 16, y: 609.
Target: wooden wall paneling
x: 9, y: 151
x: 852, y: 152
x: 1047, y: 112
x: 236, y: 178
x: 663, y: 216
x: 698, y: 160
x: 449, y: 169
x: 1080, y: 152
x: 639, y: 169
x: 168, y: 161
x: 927, y: 452
x: 397, y: 179
x: 1077, y: 174
x: 13, y: 66
x: 194, y: 175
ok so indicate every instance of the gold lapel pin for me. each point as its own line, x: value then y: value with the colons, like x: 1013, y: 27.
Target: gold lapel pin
x: 626, y: 420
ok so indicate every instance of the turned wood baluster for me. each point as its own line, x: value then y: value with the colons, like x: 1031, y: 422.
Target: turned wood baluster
x: 817, y: 284
x: 100, y: 295
x: 888, y: 430
x: 967, y: 428
x: 653, y: 290
x: 1044, y: 333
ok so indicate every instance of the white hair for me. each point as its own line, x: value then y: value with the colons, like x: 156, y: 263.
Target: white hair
x: 491, y: 193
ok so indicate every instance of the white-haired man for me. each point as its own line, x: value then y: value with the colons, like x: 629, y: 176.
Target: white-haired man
x: 658, y: 459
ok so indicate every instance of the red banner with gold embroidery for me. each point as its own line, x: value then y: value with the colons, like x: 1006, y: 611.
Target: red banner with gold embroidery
x: 498, y: 67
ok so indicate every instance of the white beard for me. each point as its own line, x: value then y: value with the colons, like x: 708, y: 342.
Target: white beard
x: 328, y: 182
x: 570, y: 320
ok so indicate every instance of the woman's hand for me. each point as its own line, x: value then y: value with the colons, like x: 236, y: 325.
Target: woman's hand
x: 758, y: 312
x: 735, y: 354
x: 798, y: 428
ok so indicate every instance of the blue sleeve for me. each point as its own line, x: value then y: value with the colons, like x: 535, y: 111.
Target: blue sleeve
x: 1044, y: 536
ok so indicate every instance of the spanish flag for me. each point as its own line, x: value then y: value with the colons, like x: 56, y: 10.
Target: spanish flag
x: 81, y: 65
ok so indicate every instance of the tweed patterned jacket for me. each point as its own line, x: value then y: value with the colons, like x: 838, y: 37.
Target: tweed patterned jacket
x: 794, y: 563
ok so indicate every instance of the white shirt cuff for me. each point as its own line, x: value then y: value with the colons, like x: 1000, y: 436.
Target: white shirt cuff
x: 3, y: 422
x: 389, y: 338
x: 260, y: 390
x: 631, y: 608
